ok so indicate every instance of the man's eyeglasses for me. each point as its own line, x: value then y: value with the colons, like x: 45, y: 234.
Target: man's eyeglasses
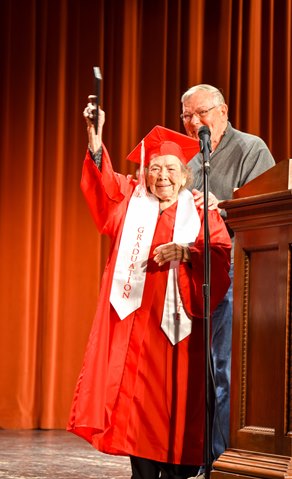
x: 187, y: 117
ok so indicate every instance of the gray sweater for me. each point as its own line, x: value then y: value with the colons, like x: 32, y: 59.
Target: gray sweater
x: 239, y: 158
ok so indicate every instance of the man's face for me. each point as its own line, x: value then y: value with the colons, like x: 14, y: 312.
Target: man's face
x: 215, y: 117
x: 165, y: 177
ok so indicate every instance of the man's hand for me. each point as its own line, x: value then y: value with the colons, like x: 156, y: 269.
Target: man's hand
x: 199, y: 200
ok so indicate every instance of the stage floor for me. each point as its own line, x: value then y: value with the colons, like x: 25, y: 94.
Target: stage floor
x: 56, y: 454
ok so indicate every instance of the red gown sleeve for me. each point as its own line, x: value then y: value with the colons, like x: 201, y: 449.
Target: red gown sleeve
x: 105, y: 191
x: 191, y: 275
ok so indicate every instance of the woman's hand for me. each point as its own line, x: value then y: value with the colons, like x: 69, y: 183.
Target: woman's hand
x: 89, y: 113
x: 171, y: 252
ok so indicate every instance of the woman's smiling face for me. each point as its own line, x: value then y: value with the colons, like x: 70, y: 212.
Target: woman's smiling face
x: 165, y: 178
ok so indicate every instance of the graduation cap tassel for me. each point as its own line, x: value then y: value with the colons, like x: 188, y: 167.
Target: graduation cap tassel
x: 141, y: 189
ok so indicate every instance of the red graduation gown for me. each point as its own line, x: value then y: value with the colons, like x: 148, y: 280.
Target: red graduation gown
x: 137, y: 394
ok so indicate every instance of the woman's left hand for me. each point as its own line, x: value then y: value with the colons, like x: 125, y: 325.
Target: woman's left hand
x: 170, y: 252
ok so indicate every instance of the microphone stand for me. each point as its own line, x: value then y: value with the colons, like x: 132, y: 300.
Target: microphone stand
x: 204, y: 135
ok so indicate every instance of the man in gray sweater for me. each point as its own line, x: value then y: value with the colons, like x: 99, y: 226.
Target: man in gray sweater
x: 236, y: 158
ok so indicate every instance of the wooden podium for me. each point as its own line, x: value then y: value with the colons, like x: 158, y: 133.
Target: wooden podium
x: 260, y: 214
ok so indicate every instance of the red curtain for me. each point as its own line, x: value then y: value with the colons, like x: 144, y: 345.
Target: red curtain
x: 149, y: 53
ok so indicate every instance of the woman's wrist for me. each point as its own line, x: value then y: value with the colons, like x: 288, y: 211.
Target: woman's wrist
x: 186, y: 254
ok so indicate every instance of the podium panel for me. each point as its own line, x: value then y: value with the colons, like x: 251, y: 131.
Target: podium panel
x: 261, y: 376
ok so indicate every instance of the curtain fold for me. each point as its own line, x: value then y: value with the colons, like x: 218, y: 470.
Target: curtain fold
x: 149, y: 53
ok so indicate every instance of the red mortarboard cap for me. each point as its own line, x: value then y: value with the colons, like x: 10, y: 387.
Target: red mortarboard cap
x: 161, y: 141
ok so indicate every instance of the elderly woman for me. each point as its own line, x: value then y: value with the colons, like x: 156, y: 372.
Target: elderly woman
x: 141, y: 389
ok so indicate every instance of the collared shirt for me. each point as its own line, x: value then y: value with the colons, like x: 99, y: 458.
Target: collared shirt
x: 239, y: 158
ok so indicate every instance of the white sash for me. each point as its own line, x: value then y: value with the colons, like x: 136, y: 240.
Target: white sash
x: 175, y: 323
x: 130, y: 269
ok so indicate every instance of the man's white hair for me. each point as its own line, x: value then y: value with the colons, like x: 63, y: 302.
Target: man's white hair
x: 217, y: 95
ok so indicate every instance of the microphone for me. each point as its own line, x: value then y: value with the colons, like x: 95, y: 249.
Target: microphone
x: 204, y: 135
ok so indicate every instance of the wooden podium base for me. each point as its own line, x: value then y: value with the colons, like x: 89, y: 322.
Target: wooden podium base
x: 260, y: 214
x: 237, y: 464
